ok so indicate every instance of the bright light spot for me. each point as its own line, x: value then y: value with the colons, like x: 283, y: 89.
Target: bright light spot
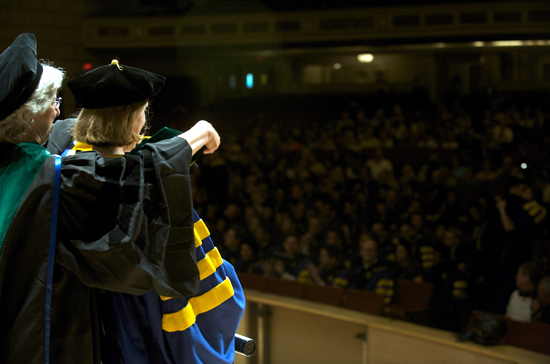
x: 337, y: 66
x: 365, y: 58
x: 524, y: 166
x: 479, y: 44
x: 87, y: 66
x: 249, y: 80
x: 507, y: 43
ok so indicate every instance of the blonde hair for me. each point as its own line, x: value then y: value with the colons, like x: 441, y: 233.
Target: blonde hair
x: 108, y: 127
x: 15, y: 125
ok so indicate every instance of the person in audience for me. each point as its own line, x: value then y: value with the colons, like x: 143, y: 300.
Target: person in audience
x: 507, y: 242
x: 405, y: 265
x: 372, y: 274
x: 541, y: 306
x: 486, y: 174
x: 450, y: 305
x: 275, y: 267
x: 317, y: 235
x: 247, y: 261
x: 329, y: 271
x: 422, y: 245
x: 461, y: 251
x: 521, y: 300
x: 379, y: 165
x: 232, y: 239
x: 290, y: 256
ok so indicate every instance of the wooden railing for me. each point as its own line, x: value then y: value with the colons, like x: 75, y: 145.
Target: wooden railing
x: 293, y: 328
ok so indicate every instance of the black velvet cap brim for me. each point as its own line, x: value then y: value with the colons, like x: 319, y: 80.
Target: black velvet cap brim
x: 20, y: 74
x: 115, y: 85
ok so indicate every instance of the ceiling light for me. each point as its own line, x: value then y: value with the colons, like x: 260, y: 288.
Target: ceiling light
x: 365, y: 57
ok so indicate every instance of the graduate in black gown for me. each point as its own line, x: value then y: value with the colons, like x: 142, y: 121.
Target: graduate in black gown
x: 152, y: 328
x: 119, y: 227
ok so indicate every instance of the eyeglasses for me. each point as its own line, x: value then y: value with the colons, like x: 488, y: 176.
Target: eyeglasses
x: 57, y: 102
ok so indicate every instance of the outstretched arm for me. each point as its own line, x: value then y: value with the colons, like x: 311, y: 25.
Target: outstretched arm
x: 506, y: 220
x: 202, y: 134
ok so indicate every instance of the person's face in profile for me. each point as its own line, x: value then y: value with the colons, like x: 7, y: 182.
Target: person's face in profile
x: 139, y: 123
x: 39, y: 131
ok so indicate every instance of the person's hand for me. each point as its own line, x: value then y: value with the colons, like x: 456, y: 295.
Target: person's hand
x: 501, y: 205
x: 202, y: 134
x: 214, y: 141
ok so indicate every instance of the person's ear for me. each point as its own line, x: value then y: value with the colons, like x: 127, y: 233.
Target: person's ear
x: 27, y: 116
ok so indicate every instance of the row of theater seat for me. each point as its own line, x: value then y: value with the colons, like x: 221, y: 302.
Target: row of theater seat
x: 411, y: 300
x: 534, y: 336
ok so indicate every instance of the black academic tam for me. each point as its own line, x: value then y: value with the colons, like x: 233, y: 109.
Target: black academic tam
x: 115, y: 85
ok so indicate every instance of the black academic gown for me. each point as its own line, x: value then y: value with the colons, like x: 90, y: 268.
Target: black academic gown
x: 124, y: 224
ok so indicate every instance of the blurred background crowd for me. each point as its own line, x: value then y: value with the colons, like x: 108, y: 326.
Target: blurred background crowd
x: 389, y: 187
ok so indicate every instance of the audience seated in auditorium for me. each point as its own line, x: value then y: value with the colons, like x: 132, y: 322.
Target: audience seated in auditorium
x: 371, y: 273
x: 541, y: 306
x: 405, y: 265
x: 521, y: 300
x: 329, y: 271
x: 449, y: 307
x: 287, y: 182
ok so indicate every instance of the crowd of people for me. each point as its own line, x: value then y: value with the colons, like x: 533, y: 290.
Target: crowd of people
x: 435, y: 192
x: 429, y: 193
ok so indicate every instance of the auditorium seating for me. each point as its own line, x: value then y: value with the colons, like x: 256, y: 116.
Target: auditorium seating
x: 324, y: 294
x: 364, y: 301
x: 411, y: 301
x: 358, y: 300
x: 257, y: 282
x: 533, y: 336
x: 285, y: 287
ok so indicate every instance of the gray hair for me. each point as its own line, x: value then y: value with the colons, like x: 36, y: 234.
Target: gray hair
x: 14, y: 126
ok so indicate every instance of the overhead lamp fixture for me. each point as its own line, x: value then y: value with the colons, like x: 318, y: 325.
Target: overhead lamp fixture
x: 365, y: 57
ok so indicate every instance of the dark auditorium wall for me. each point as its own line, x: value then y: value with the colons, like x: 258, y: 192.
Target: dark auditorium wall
x: 57, y: 27
x: 198, y: 74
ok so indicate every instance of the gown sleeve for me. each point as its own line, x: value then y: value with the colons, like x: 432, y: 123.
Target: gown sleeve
x: 126, y: 224
x: 60, y: 136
